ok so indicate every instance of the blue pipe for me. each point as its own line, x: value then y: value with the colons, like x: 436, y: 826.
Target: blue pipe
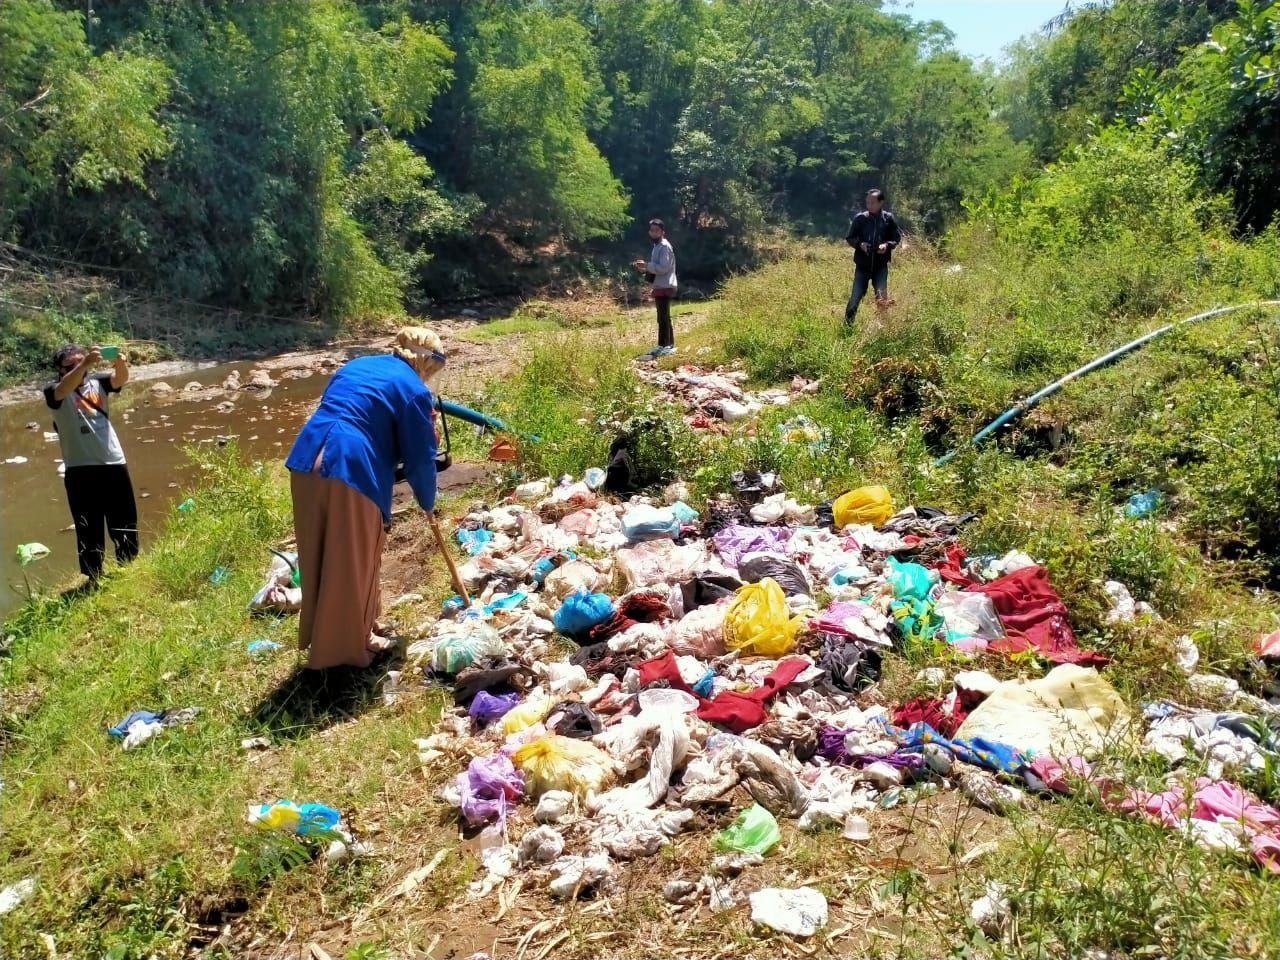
x: 1018, y: 409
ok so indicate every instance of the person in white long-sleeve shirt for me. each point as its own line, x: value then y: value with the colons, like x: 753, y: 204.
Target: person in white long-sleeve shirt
x: 660, y: 271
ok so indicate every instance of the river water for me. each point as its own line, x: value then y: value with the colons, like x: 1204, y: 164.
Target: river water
x: 155, y: 431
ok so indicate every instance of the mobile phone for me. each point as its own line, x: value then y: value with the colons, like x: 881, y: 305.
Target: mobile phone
x: 109, y: 353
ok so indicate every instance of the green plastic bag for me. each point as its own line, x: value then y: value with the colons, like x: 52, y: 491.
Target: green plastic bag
x: 755, y: 831
x: 31, y: 552
x: 910, y: 581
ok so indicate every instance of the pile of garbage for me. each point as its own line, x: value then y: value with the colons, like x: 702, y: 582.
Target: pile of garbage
x: 628, y: 671
x: 715, y: 398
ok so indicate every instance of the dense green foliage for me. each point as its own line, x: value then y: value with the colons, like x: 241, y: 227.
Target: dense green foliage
x: 318, y: 155
x: 1203, y: 75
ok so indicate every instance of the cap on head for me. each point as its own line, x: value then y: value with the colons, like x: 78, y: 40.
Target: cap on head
x: 655, y: 222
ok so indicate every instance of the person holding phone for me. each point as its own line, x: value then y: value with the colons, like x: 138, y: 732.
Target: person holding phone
x: 660, y: 271
x: 874, y: 235
x: 99, y: 491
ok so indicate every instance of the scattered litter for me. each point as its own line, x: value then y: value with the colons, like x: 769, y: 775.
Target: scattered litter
x: 143, y: 725
x: 310, y: 821
x: 16, y: 894
x: 755, y: 831
x: 625, y: 667
x: 1186, y: 654
x: 1143, y: 504
x: 262, y: 645
x: 28, y: 553
x: 219, y: 576
x: 801, y: 912
x: 990, y: 912
x: 281, y: 591
x: 1124, y: 609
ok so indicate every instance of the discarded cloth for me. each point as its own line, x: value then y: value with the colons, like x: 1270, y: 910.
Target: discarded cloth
x: 632, y: 609
x: 737, y: 711
x: 1034, y: 617
x: 992, y: 754
x: 1069, y: 711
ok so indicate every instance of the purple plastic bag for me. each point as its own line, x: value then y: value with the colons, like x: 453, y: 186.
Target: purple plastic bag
x: 488, y: 788
x: 736, y: 541
x: 831, y: 746
x: 487, y: 707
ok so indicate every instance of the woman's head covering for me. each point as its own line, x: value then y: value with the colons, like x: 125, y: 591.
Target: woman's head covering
x: 421, y: 348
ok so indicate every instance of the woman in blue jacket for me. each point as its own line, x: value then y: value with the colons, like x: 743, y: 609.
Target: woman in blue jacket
x: 376, y: 413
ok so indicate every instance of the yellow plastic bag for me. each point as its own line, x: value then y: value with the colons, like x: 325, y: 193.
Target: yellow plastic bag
x: 873, y: 505
x: 534, y: 710
x: 562, y: 763
x: 758, y: 620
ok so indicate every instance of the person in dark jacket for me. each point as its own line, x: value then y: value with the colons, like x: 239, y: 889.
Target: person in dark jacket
x: 376, y: 413
x: 873, y: 236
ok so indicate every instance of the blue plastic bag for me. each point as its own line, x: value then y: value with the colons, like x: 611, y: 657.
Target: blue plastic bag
x: 474, y: 541
x: 581, y: 611
x: 1142, y: 504
x: 650, y: 523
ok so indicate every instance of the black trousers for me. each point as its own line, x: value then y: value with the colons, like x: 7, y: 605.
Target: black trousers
x: 102, y: 496
x: 666, y: 333
x: 878, y: 278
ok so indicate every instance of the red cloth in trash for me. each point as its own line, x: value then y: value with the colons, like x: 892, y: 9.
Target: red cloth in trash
x: 928, y: 710
x: 952, y: 568
x: 1034, y: 617
x: 737, y: 711
x: 638, y: 608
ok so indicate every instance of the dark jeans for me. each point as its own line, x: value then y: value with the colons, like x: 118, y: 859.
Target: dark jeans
x: 666, y: 333
x: 879, y: 279
x: 102, y: 496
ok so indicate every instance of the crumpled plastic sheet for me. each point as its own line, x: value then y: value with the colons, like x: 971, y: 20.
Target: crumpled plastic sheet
x: 574, y: 876
x: 662, y: 562
x: 664, y: 736
x: 542, y: 844
x: 800, y: 912
x: 731, y: 760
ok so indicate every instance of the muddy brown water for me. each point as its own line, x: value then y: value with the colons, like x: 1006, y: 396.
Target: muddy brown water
x: 156, y: 431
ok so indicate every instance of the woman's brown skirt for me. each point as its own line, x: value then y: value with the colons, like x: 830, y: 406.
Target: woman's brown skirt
x: 340, y: 540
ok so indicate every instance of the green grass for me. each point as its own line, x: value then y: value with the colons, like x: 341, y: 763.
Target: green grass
x: 132, y: 848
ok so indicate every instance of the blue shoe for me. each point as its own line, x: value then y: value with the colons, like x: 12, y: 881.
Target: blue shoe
x: 664, y: 351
